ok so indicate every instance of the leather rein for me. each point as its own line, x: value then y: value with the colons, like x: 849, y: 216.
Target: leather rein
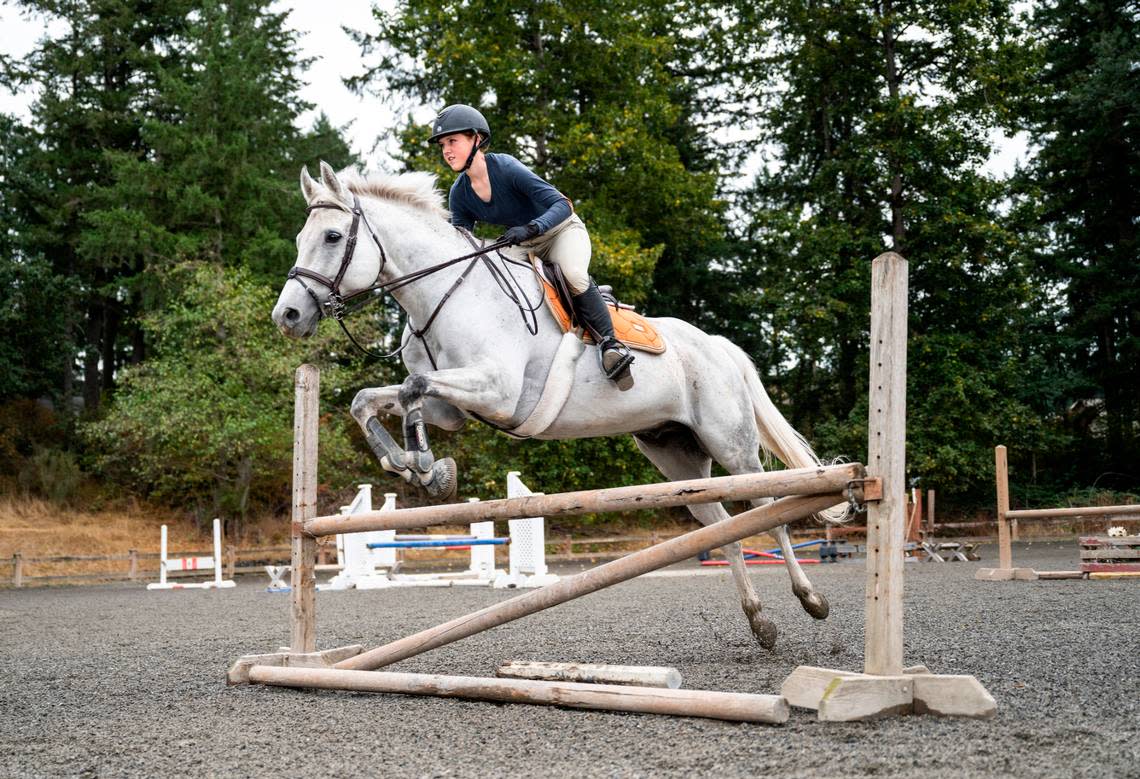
x: 335, y: 304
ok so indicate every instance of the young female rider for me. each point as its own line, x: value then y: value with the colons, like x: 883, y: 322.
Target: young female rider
x: 498, y: 189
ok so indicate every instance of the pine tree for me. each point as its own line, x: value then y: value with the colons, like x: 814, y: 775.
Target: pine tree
x: 95, y: 78
x: 1084, y: 113
x: 218, y: 180
x: 592, y: 96
x: 879, y: 124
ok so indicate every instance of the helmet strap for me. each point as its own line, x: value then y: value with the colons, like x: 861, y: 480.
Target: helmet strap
x: 471, y: 157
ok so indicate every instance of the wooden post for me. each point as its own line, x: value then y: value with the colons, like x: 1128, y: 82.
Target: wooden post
x: 1005, y: 570
x: 1001, y: 472
x: 231, y: 560
x: 303, y: 578
x: 17, y: 570
x: 930, y: 513
x: 133, y: 571
x: 886, y: 459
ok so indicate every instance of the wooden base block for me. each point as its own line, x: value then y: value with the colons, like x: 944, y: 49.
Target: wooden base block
x: 952, y: 696
x: 807, y: 683
x: 844, y: 696
x: 1005, y: 574
x: 239, y: 671
x: 1060, y: 575
x: 853, y: 698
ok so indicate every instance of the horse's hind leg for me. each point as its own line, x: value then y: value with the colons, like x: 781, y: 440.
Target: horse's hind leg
x: 677, y: 455
x: 814, y: 602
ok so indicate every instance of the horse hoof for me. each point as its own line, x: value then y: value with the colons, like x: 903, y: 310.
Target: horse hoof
x: 763, y: 628
x: 814, y: 604
x: 444, y: 478
x: 765, y: 631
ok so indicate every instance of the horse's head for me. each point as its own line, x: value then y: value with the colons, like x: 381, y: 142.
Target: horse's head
x: 337, y: 255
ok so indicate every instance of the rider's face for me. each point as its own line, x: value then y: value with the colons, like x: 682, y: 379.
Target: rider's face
x: 456, y: 149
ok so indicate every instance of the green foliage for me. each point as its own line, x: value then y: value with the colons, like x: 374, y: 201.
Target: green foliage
x: 592, y: 96
x: 218, y: 181
x: 34, y: 351
x: 164, y: 132
x: 148, y: 210
x: 206, y: 422
x: 870, y: 161
x: 1080, y: 197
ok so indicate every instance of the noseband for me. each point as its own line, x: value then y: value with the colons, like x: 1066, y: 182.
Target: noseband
x: 334, y: 305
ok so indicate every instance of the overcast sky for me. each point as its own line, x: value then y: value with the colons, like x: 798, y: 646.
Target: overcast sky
x: 336, y: 57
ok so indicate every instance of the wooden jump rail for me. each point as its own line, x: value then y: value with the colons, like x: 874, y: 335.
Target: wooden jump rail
x: 1007, y: 523
x: 799, y: 481
x: 883, y: 689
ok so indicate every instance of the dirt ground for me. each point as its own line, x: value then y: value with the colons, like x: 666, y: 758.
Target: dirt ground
x: 117, y: 681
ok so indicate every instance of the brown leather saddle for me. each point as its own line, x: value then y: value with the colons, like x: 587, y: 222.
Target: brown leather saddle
x: 630, y: 327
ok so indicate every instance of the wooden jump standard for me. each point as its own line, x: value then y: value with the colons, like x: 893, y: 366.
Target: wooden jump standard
x: 1005, y: 518
x: 883, y: 688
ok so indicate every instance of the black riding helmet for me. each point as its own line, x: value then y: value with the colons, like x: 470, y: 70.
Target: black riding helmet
x: 461, y: 118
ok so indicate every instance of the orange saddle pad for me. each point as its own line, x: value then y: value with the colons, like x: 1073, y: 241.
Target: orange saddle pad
x: 630, y: 327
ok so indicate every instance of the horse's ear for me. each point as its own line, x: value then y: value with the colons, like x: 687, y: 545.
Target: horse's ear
x: 308, y: 186
x: 330, y: 180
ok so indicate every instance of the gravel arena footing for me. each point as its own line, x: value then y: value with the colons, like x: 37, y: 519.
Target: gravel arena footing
x: 117, y: 681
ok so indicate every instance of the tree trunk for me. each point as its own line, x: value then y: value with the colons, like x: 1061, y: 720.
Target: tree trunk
x: 92, y: 340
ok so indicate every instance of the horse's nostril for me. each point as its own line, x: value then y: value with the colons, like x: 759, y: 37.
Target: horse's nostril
x: 292, y: 315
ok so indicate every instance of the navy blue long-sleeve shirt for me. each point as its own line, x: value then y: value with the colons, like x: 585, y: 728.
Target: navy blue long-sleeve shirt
x: 518, y: 197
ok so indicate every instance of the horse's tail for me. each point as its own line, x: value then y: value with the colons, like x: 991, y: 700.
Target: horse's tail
x: 777, y: 437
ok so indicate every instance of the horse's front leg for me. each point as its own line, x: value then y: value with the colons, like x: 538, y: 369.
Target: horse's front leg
x: 441, y: 394
x: 366, y: 406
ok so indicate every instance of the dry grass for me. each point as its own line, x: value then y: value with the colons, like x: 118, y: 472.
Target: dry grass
x: 38, y: 528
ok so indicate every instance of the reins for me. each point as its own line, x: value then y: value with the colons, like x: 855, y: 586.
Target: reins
x: 335, y: 304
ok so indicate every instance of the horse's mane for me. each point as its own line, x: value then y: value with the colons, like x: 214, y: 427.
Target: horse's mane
x: 416, y: 189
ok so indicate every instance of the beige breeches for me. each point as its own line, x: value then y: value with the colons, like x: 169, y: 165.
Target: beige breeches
x: 567, y: 245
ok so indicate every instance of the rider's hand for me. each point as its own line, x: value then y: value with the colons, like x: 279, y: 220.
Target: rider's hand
x: 517, y: 235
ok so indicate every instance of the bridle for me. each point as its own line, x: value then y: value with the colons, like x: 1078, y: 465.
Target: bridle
x: 334, y: 305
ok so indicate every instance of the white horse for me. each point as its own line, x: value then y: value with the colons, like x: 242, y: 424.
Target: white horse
x: 699, y: 401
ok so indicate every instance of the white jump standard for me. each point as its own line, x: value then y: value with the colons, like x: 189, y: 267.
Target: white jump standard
x: 883, y: 688
x: 370, y: 560
x: 167, y: 564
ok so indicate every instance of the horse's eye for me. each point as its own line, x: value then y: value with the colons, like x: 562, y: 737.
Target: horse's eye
x: 332, y: 236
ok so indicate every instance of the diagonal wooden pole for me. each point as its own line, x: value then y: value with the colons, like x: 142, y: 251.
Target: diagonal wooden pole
x: 675, y: 550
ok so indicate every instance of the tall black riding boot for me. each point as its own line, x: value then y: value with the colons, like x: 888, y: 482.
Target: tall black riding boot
x: 595, y: 315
